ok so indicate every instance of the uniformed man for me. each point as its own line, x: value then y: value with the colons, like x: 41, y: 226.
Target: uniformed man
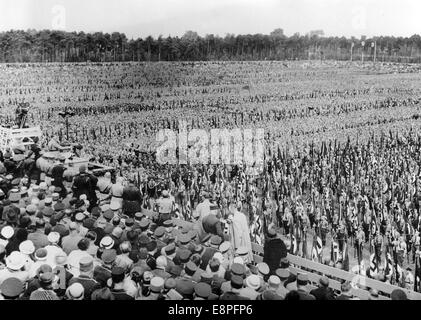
x: 164, y: 207
x: 378, y: 246
x: 104, y: 186
x: 359, y: 243
x: 416, y: 244
x: 324, y: 229
x: 57, y: 172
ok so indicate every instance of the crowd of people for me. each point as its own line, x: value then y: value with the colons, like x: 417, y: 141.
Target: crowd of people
x: 92, y: 239
x: 341, y: 166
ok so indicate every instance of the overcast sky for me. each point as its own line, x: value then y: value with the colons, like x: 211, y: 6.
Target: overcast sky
x: 140, y: 18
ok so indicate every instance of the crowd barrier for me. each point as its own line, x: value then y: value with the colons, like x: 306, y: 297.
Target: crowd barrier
x: 336, y: 276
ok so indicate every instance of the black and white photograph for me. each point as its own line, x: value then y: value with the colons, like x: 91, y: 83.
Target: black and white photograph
x: 233, y: 151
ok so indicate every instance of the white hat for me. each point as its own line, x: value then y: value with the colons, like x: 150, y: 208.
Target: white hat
x: 75, y: 291
x: 83, y: 197
x: 43, y: 186
x: 53, y: 237
x: 161, y: 262
x: 27, y: 247
x: 253, y: 282
x: 114, y: 205
x: 106, y: 242
x: 15, y: 261
x: 7, y: 232
x: 238, y: 260
x: 219, y: 256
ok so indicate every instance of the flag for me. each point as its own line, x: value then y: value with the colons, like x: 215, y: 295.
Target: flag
x: 345, y: 257
x: 334, y: 251
x: 317, y: 249
x: 399, y: 274
x: 417, y: 277
x: 304, y: 242
x: 294, y: 248
x: 388, y: 266
x: 373, y: 265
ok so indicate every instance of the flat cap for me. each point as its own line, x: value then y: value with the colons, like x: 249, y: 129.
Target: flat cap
x: 224, y: 246
x: 190, y: 268
x: 159, y: 232
x: 185, y: 287
x: 11, y: 287
x: 215, y: 240
x: 157, y: 284
x: 27, y: 247
x: 236, y: 282
x: 109, y: 214
x: 168, y: 223
x: 242, y: 251
x: 302, y: 279
x: 263, y: 268
x: 202, y: 290
x: 237, y: 269
x: 109, y: 256
x: 283, y: 274
x: 170, y: 249
x: 107, y: 242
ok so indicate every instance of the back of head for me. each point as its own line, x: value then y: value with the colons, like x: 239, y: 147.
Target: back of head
x: 102, y: 294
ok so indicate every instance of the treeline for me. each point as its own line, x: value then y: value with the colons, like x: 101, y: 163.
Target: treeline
x: 60, y: 46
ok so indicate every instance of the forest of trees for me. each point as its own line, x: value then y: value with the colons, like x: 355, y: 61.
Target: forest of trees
x: 61, y: 46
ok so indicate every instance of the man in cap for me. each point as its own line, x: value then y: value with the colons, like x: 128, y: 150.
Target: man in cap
x: 57, y: 172
x: 209, y: 252
x: 155, y: 289
x: 203, y: 208
x: 40, y: 259
x: 302, y: 287
x: 85, y: 278
x: 15, y: 267
x: 85, y: 183
x: 323, y: 292
x: 39, y: 238
x: 165, y: 206
x: 123, y: 260
x: 75, y: 292
x: 75, y: 256
x: 103, y: 272
x: 45, y: 292
x: 161, y: 267
x: 11, y: 289
x: 79, y: 218
x: 346, y: 292
x: 70, y: 242
x: 275, y: 284
x: 104, y: 186
x: 117, y: 284
x: 234, y: 294
x: 132, y: 199
x: 274, y: 250
x: 202, y: 291
x: 251, y: 290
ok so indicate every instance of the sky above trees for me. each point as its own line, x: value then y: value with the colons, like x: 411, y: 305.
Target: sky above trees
x: 140, y: 18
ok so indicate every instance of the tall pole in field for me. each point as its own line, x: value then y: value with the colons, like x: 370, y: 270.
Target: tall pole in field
x: 362, y: 51
x: 352, y: 47
x: 374, y: 45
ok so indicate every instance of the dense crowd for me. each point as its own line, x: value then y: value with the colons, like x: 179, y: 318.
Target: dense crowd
x: 341, y: 168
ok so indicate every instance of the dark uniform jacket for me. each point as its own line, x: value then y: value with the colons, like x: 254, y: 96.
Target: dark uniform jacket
x: 323, y: 293
x: 85, y: 183
x: 273, y: 251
